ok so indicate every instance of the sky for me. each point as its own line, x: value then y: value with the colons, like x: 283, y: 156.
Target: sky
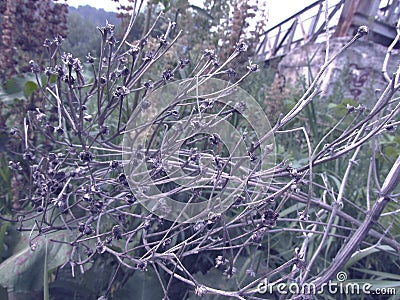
x: 278, y: 9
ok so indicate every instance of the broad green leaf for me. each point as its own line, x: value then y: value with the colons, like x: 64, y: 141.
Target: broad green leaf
x: 29, y: 88
x: 12, y: 86
x: 16, y: 88
x: 44, y: 79
x: 9, y: 98
x: 24, y: 270
x: 141, y: 286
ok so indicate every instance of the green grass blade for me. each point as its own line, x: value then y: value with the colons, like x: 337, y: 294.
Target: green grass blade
x: 45, y: 276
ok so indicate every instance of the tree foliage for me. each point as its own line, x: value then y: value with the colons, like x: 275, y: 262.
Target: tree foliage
x: 25, y: 25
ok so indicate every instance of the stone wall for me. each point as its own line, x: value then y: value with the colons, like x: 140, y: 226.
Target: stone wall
x: 356, y: 74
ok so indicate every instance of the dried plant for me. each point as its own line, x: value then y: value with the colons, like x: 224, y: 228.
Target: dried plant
x: 179, y: 178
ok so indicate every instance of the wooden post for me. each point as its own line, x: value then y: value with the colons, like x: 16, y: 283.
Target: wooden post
x: 322, y: 27
x: 315, y: 20
x: 349, y: 9
x: 392, y: 17
x: 367, y: 8
x: 292, y: 31
x: 275, y: 46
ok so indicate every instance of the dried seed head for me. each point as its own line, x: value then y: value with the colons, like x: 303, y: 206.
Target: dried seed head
x: 148, y: 85
x: 167, y: 75
x: 231, y: 73
x: 48, y: 71
x: 214, y: 139
x: 362, y: 30
x: 14, y: 131
x: 81, y: 227
x: 125, y: 72
x: 122, y: 178
x: 121, y: 91
x: 183, y: 62
x: 257, y: 236
x: 100, y: 248
x: 130, y: 198
x: 350, y: 108
x: 87, y: 117
x: 104, y: 130
x: 47, y: 43
x: 199, y: 291
x: 114, y: 164
x: 90, y: 59
x: 269, y: 217
x: 14, y: 165
x: 117, y: 232
x: 253, y: 67
x: 34, y: 67
x: 162, y: 40
x: 86, y: 156
x: 220, y: 261
x: 210, y: 53
x: 67, y: 59
x: 58, y: 40
x: 142, y: 265
x: 241, y: 47
x: 134, y: 50
x: 88, y: 230
x: 59, y: 70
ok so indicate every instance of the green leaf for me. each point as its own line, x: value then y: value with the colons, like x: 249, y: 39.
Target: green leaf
x: 141, y: 286
x: 341, y: 109
x: 300, y: 162
x: 29, y: 88
x: 391, y: 152
x: 46, y: 274
x: 335, y: 180
x: 382, y: 275
x: 23, y: 271
x: 8, y: 98
x: 332, y: 105
x: 11, y: 86
x: 361, y: 254
x: 3, y: 230
x: 17, y: 88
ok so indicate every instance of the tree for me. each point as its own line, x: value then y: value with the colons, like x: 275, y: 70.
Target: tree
x: 25, y: 26
x: 219, y: 25
x: 82, y: 36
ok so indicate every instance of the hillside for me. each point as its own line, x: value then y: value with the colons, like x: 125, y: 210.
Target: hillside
x: 83, y: 36
x: 93, y: 15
